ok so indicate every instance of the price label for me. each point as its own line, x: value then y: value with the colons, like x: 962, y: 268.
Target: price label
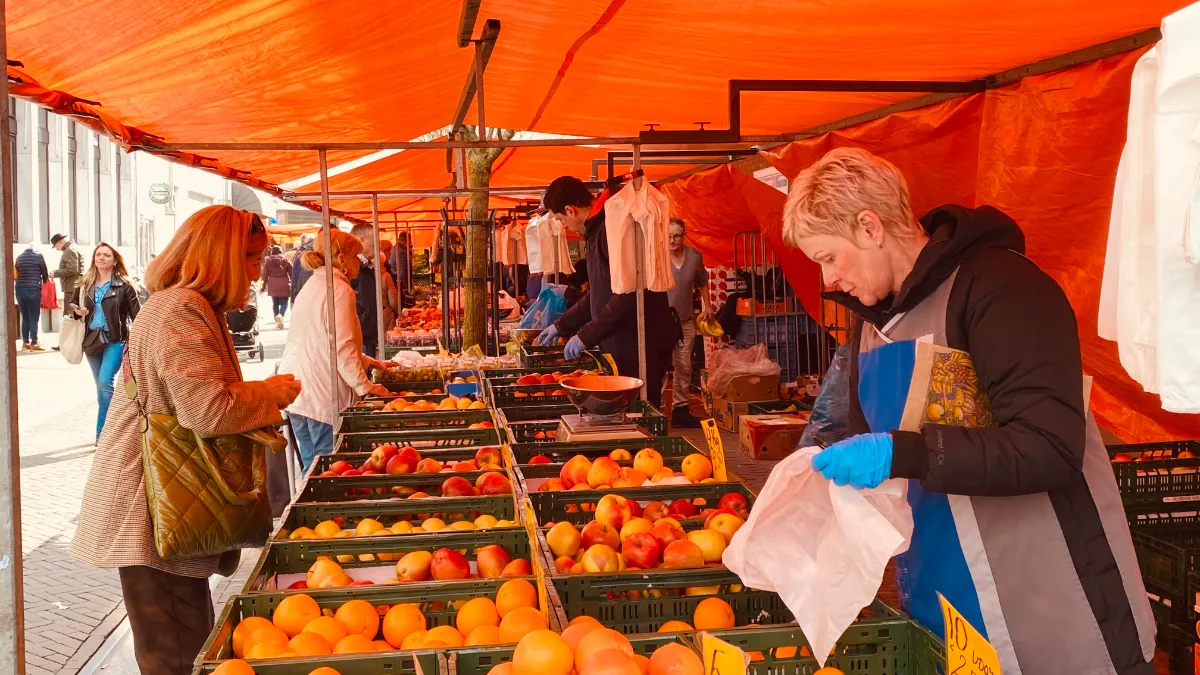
x: 539, y: 574
x: 722, y: 658
x: 967, y: 652
x: 716, y: 450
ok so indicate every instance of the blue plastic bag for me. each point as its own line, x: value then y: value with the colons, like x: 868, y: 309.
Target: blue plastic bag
x: 551, y: 303
x: 832, y: 407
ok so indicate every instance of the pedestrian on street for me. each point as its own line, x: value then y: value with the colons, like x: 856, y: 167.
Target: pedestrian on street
x: 31, y: 274
x: 307, y: 352
x: 299, y: 274
x: 690, y: 275
x: 108, y: 297
x: 277, y: 277
x: 180, y: 356
x: 70, y: 265
x: 364, y: 286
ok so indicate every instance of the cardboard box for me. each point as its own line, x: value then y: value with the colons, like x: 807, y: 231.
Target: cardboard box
x: 746, y: 388
x: 726, y: 413
x: 771, y: 436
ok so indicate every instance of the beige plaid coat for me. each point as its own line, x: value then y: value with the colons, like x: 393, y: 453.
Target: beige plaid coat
x: 183, y: 360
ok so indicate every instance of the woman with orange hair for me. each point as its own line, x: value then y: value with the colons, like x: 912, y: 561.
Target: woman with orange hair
x: 307, y: 352
x: 180, y: 355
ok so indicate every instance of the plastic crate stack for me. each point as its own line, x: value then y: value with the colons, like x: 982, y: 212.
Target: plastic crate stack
x: 1160, y: 489
x: 349, y: 549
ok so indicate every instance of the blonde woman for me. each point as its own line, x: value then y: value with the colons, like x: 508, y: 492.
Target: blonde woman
x: 180, y: 354
x: 307, y: 352
x: 111, y: 303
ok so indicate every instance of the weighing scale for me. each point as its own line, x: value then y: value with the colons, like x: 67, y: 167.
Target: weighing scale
x: 583, y: 428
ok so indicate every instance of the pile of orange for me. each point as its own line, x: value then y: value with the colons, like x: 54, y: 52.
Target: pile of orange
x: 299, y: 627
x: 588, y: 648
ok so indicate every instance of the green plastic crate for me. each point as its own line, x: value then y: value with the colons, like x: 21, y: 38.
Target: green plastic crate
x: 371, y: 403
x: 533, y: 356
x: 354, y: 420
x: 553, y: 506
x: 381, y: 486
x: 421, y: 439
x: 522, y: 424
x: 322, y: 462
x: 296, y: 556
x: 535, y: 395
x: 537, y: 472
x: 434, y: 599
x: 503, y: 507
x: 667, y: 446
x: 424, y: 662
x: 876, y: 646
x: 479, y: 660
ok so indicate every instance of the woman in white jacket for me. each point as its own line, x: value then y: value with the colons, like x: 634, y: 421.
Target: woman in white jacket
x: 307, y: 352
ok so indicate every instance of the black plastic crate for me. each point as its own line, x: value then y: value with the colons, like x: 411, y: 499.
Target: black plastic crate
x: 667, y: 446
x: 1156, y: 478
x: 1167, y: 551
x: 533, y: 356
x: 421, y: 439
x: 526, y: 395
x: 1180, y: 646
x: 358, y: 420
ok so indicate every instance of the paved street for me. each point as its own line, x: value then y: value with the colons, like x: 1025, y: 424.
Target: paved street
x: 70, y: 608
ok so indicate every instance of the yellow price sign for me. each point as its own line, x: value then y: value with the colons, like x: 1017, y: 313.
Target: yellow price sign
x: 716, y: 450
x: 722, y: 658
x: 967, y: 652
x: 539, y: 573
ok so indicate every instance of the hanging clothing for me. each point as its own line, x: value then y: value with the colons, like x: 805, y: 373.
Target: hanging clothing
x: 556, y: 256
x: 649, y: 208
x: 1152, y: 264
x: 533, y: 248
x: 503, y: 246
x: 516, y: 235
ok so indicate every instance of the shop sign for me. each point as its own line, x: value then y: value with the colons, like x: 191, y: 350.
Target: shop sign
x: 160, y: 193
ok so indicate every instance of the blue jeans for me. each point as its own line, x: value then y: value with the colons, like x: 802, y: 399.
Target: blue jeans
x: 280, y: 305
x: 105, y: 364
x: 29, y: 302
x: 313, y: 438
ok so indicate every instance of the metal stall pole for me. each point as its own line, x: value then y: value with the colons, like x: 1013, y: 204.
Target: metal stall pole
x: 12, y: 594
x: 380, y: 333
x: 445, y: 275
x: 494, y: 270
x: 640, y: 255
x: 330, y: 316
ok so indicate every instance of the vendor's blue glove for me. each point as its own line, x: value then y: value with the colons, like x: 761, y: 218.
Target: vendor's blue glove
x: 574, y: 348
x: 547, y: 337
x: 862, y: 461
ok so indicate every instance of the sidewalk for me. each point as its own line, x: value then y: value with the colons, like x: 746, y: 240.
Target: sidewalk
x: 71, y: 608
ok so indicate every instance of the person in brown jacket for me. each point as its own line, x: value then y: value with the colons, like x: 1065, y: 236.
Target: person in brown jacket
x: 180, y: 355
x: 277, y: 275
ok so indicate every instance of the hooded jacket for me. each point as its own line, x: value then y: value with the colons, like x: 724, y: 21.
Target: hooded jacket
x: 1035, y: 508
x: 277, y: 275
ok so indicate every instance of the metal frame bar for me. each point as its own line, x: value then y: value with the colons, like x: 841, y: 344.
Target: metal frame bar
x: 483, y: 52
x: 380, y: 331
x: 612, y: 163
x: 466, y: 21
x: 330, y: 314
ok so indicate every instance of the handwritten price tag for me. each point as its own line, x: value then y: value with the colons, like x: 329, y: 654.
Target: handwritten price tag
x: 716, y: 450
x: 967, y: 652
x: 722, y: 658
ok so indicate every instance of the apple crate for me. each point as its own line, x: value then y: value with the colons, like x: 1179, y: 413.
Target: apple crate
x: 1156, y: 477
x: 502, y: 507
x: 479, y: 660
x: 283, y: 563
x: 540, y: 423
x: 667, y: 446
x: 355, y: 420
x: 376, y: 403
x: 323, y: 463
x: 576, y: 506
x: 434, y: 599
x: 385, y: 486
x: 534, y: 356
x: 533, y: 476
x: 422, y: 439
x: 642, y: 601
x: 525, y: 395
x: 883, y: 645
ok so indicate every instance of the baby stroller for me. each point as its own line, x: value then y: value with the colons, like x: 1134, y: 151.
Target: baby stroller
x: 243, y: 328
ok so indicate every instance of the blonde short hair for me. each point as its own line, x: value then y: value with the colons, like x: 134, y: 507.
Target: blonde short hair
x: 827, y: 197
x: 208, y: 255
x: 343, y: 245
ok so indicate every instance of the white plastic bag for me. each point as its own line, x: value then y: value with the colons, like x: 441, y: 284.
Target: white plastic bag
x: 726, y: 364
x: 822, y: 547
x: 70, y: 339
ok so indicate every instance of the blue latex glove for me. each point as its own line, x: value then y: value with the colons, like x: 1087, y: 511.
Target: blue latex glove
x: 547, y: 337
x: 862, y: 461
x: 574, y: 348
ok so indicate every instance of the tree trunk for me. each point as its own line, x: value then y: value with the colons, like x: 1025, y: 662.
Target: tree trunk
x: 478, y: 238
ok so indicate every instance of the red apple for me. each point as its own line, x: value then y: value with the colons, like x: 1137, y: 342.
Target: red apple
x: 683, y: 554
x: 491, y: 561
x: 709, y: 514
x: 429, y: 465
x: 493, y: 483
x: 575, y: 471
x: 403, y: 463
x: 371, y: 472
x: 457, y: 486
x: 377, y: 461
x: 328, y: 474
x: 552, y: 485
x: 600, y: 558
x: 363, y: 582
x: 614, y: 511
x: 529, y: 379
x: 468, y: 465
x: 683, y: 508
x: 655, y: 511
x: 667, y: 533
x: 351, y: 472
x: 603, y: 472
x: 519, y: 567
x: 736, y: 503
x: 447, y: 564
x: 298, y: 586
x: 563, y: 564
x: 488, y: 456
x: 539, y: 459
x: 598, y: 533
x: 340, y: 467
x: 641, y: 550
x: 635, y: 509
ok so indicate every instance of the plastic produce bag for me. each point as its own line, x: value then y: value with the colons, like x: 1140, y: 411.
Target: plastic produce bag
x: 726, y: 364
x: 822, y: 547
x: 832, y: 407
x: 551, y: 303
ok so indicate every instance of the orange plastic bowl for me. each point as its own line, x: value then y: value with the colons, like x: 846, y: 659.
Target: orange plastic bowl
x: 602, y: 394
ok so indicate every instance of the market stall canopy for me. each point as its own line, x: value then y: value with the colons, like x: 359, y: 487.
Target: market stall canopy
x: 265, y: 71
